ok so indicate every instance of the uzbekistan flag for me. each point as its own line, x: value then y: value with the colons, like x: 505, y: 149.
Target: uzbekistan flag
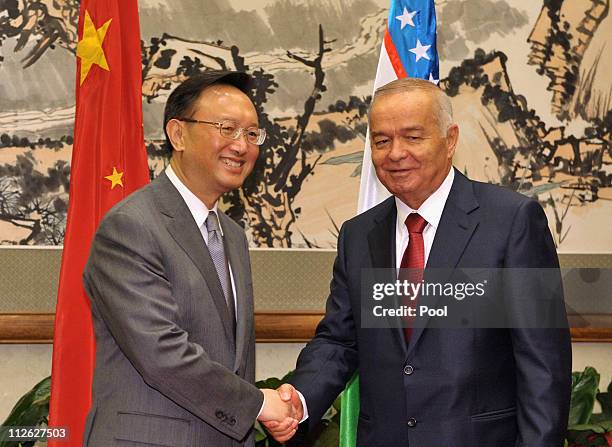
x: 408, y: 50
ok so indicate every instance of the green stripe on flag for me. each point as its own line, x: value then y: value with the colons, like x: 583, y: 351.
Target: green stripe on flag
x: 349, y: 413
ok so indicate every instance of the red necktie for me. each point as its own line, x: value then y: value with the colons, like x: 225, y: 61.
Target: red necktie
x: 414, y: 258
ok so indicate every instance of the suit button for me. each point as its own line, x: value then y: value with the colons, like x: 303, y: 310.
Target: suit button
x: 408, y: 369
x: 232, y: 421
x: 412, y: 422
x: 219, y: 414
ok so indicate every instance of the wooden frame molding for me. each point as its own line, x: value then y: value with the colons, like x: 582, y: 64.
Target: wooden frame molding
x: 26, y: 328
x: 270, y: 327
x: 275, y: 327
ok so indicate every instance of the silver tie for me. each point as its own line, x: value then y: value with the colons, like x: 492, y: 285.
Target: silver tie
x: 217, y: 253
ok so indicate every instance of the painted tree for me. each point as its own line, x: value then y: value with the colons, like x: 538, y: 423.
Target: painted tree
x: 291, y: 154
x: 44, y: 24
x: 265, y: 203
x: 34, y: 200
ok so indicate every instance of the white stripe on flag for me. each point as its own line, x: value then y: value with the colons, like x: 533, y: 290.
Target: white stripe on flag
x: 371, y: 191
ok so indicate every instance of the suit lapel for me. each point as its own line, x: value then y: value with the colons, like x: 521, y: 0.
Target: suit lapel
x: 381, y: 242
x: 456, y: 227
x: 185, y: 232
x: 244, y: 301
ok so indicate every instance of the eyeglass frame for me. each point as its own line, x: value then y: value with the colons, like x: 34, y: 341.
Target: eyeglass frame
x: 237, y: 134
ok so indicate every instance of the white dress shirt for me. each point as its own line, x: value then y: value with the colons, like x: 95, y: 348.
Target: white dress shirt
x: 430, y: 210
x: 199, y: 211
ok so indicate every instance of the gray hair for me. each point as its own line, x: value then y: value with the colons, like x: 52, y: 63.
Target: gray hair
x: 442, y: 105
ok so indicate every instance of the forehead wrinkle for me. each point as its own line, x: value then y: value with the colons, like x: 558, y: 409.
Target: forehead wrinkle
x: 378, y: 133
x: 410, y: 128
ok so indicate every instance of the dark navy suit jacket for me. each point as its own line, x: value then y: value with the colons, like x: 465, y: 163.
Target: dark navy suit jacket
x: 462, y: 387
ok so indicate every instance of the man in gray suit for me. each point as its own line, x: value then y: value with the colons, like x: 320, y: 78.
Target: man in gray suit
x: 169, y: 280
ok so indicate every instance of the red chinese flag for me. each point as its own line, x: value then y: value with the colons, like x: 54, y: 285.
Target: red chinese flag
x: 109, y: 161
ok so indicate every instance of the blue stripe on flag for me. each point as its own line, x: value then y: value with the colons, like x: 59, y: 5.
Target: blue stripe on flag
x: 424, y: 30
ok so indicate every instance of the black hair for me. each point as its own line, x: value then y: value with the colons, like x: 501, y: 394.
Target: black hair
x: 182, y: 99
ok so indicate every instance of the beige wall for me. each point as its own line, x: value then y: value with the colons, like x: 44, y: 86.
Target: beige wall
x: 22, y: 366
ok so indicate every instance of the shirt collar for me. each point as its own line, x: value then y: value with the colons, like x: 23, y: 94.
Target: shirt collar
x: 198, y: 210
x: 431, y: 209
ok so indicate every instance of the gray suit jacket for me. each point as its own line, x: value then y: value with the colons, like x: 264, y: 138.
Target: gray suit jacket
x: 168, y: 370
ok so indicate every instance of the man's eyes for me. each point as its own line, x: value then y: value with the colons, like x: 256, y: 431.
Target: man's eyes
x: 381, y: 142
x: 385, y: 141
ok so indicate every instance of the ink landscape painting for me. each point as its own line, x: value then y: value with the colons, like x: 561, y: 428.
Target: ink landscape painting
x: 527, y: 81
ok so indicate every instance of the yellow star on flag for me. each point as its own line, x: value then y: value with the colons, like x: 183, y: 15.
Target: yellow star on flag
x: 89, y: 48
x: 115, y: 178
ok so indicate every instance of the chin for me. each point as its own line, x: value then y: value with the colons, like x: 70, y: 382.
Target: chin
x: 402, y: 190
x: 233, y: 184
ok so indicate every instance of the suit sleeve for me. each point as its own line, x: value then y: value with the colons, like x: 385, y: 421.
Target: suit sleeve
x: 542, y: 356
x: 329, y: 360
x: 126, y: 281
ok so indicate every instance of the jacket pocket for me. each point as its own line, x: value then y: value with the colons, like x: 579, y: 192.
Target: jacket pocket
x: 153, y: 429
x: 494, y: 415
x: 364, y: 417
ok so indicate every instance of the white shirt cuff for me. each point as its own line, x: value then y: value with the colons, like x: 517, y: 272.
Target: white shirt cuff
x: 263, y: 404
x: 304, y: 407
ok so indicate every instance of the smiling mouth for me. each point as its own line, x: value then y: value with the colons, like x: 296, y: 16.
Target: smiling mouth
x: 232, y: 163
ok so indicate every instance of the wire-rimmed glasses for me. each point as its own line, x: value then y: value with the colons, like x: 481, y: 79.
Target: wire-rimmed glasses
x: 229, y: 129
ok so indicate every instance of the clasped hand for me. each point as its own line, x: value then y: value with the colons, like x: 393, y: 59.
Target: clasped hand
x: 282, y: 412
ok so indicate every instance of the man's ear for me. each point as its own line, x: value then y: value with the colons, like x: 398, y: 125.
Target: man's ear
x: 452, y: 137
x: 174, y: 129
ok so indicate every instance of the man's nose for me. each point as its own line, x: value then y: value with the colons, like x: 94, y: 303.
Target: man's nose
x: 240, y: 144
x: 398, y: 150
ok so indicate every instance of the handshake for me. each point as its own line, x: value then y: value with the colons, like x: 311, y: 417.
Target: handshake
x: 282, y: 412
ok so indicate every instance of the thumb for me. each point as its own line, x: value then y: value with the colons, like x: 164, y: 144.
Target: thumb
x: 296, y: 403
x: 295, y: 399
x: 285, y: 391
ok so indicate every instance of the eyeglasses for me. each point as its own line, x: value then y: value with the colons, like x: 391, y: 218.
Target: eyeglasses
x: 229, y: 129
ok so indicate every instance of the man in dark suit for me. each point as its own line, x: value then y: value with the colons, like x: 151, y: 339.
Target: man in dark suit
x: 426, y: 387
x: 169, y: 280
